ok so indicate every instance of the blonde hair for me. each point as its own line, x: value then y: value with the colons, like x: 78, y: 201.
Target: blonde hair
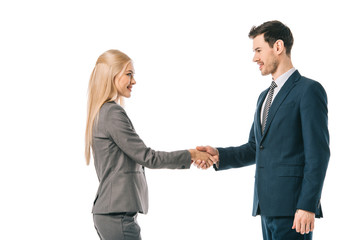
x: 102, y: 89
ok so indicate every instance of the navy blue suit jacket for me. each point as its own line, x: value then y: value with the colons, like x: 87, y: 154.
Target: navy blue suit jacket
x: 292, y: 155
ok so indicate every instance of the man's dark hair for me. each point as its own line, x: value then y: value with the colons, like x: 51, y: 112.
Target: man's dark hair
x: 273, y: 31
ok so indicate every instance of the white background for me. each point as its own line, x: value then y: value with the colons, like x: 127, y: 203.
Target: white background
x: 196, y: 84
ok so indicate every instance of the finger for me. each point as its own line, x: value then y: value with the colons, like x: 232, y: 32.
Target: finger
x: 312, y: 227
x: 197, y: 163
x: 201, y: 148
x: 298, y: 226
x: 209, y: 163
x: 213, y: 159
x: 307, y: 228
x: 294, y: 223
x: 208, y: 149
x: 212, y: 151
x: 206, y: 166
x: 303, y: 227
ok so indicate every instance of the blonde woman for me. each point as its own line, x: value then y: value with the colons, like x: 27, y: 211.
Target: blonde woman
x: 119, y: 154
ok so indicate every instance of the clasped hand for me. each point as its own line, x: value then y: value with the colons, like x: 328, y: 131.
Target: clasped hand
x: 204, y: 156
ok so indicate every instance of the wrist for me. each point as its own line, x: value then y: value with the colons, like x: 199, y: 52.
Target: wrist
x: 192, y: 154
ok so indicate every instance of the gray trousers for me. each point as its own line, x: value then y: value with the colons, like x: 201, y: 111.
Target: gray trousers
x: 121, y: 226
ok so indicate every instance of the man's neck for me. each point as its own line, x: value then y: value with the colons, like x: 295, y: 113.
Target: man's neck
x: 282, y: 68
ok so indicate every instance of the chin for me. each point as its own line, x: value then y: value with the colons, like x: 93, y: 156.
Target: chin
x: 265, y: 73
x: 126, y: 94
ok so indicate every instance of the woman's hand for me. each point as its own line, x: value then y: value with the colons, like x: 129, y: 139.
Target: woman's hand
x: 204, y: 158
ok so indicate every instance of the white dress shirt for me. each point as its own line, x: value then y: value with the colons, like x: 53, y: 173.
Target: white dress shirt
x: 280, y: 81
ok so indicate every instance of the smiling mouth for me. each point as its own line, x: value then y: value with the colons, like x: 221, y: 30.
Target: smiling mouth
x: 261, y: 65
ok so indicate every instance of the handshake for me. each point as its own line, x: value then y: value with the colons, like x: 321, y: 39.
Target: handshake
x: 204, y: 156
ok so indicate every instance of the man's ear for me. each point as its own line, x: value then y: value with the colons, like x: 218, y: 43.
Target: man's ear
x: 279, y: 46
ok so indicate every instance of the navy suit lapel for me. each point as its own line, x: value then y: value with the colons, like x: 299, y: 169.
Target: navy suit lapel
x: 290, y: 83
x: 258, y: 110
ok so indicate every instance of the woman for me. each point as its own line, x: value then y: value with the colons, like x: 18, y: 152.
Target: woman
x: 119, y: 154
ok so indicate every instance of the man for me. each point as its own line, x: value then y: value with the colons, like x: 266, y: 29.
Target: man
x: 288, y: 141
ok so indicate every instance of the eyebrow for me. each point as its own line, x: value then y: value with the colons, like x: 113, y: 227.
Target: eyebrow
x: 130, y: 71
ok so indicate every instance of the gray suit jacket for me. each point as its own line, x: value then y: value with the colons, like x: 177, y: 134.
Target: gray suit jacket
x: 120, y: 157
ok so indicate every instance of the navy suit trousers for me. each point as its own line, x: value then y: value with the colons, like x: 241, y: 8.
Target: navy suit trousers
x: 280, y: 228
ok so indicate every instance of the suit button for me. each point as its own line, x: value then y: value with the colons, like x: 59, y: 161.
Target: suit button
x: 261, y: 147
x: 183, y: 167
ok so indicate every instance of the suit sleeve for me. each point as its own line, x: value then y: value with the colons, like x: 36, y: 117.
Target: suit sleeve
x: 314, y: 121
x: 123, y: 134
x: 236, y: 157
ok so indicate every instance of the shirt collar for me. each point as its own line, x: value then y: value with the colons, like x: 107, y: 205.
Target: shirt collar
x: 280, y: 81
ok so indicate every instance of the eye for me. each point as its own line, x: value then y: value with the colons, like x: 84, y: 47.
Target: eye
x: 130, y: 75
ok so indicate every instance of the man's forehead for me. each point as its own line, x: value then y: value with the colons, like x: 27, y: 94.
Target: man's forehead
x: 259, y: 38
x: 258, y: 41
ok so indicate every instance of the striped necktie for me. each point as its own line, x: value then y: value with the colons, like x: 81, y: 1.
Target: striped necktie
x: 267, y: 105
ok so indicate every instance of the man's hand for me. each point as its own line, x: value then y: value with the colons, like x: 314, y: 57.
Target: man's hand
x: 304, y: 221
x: 203, y: 157
x: 214, y: 156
